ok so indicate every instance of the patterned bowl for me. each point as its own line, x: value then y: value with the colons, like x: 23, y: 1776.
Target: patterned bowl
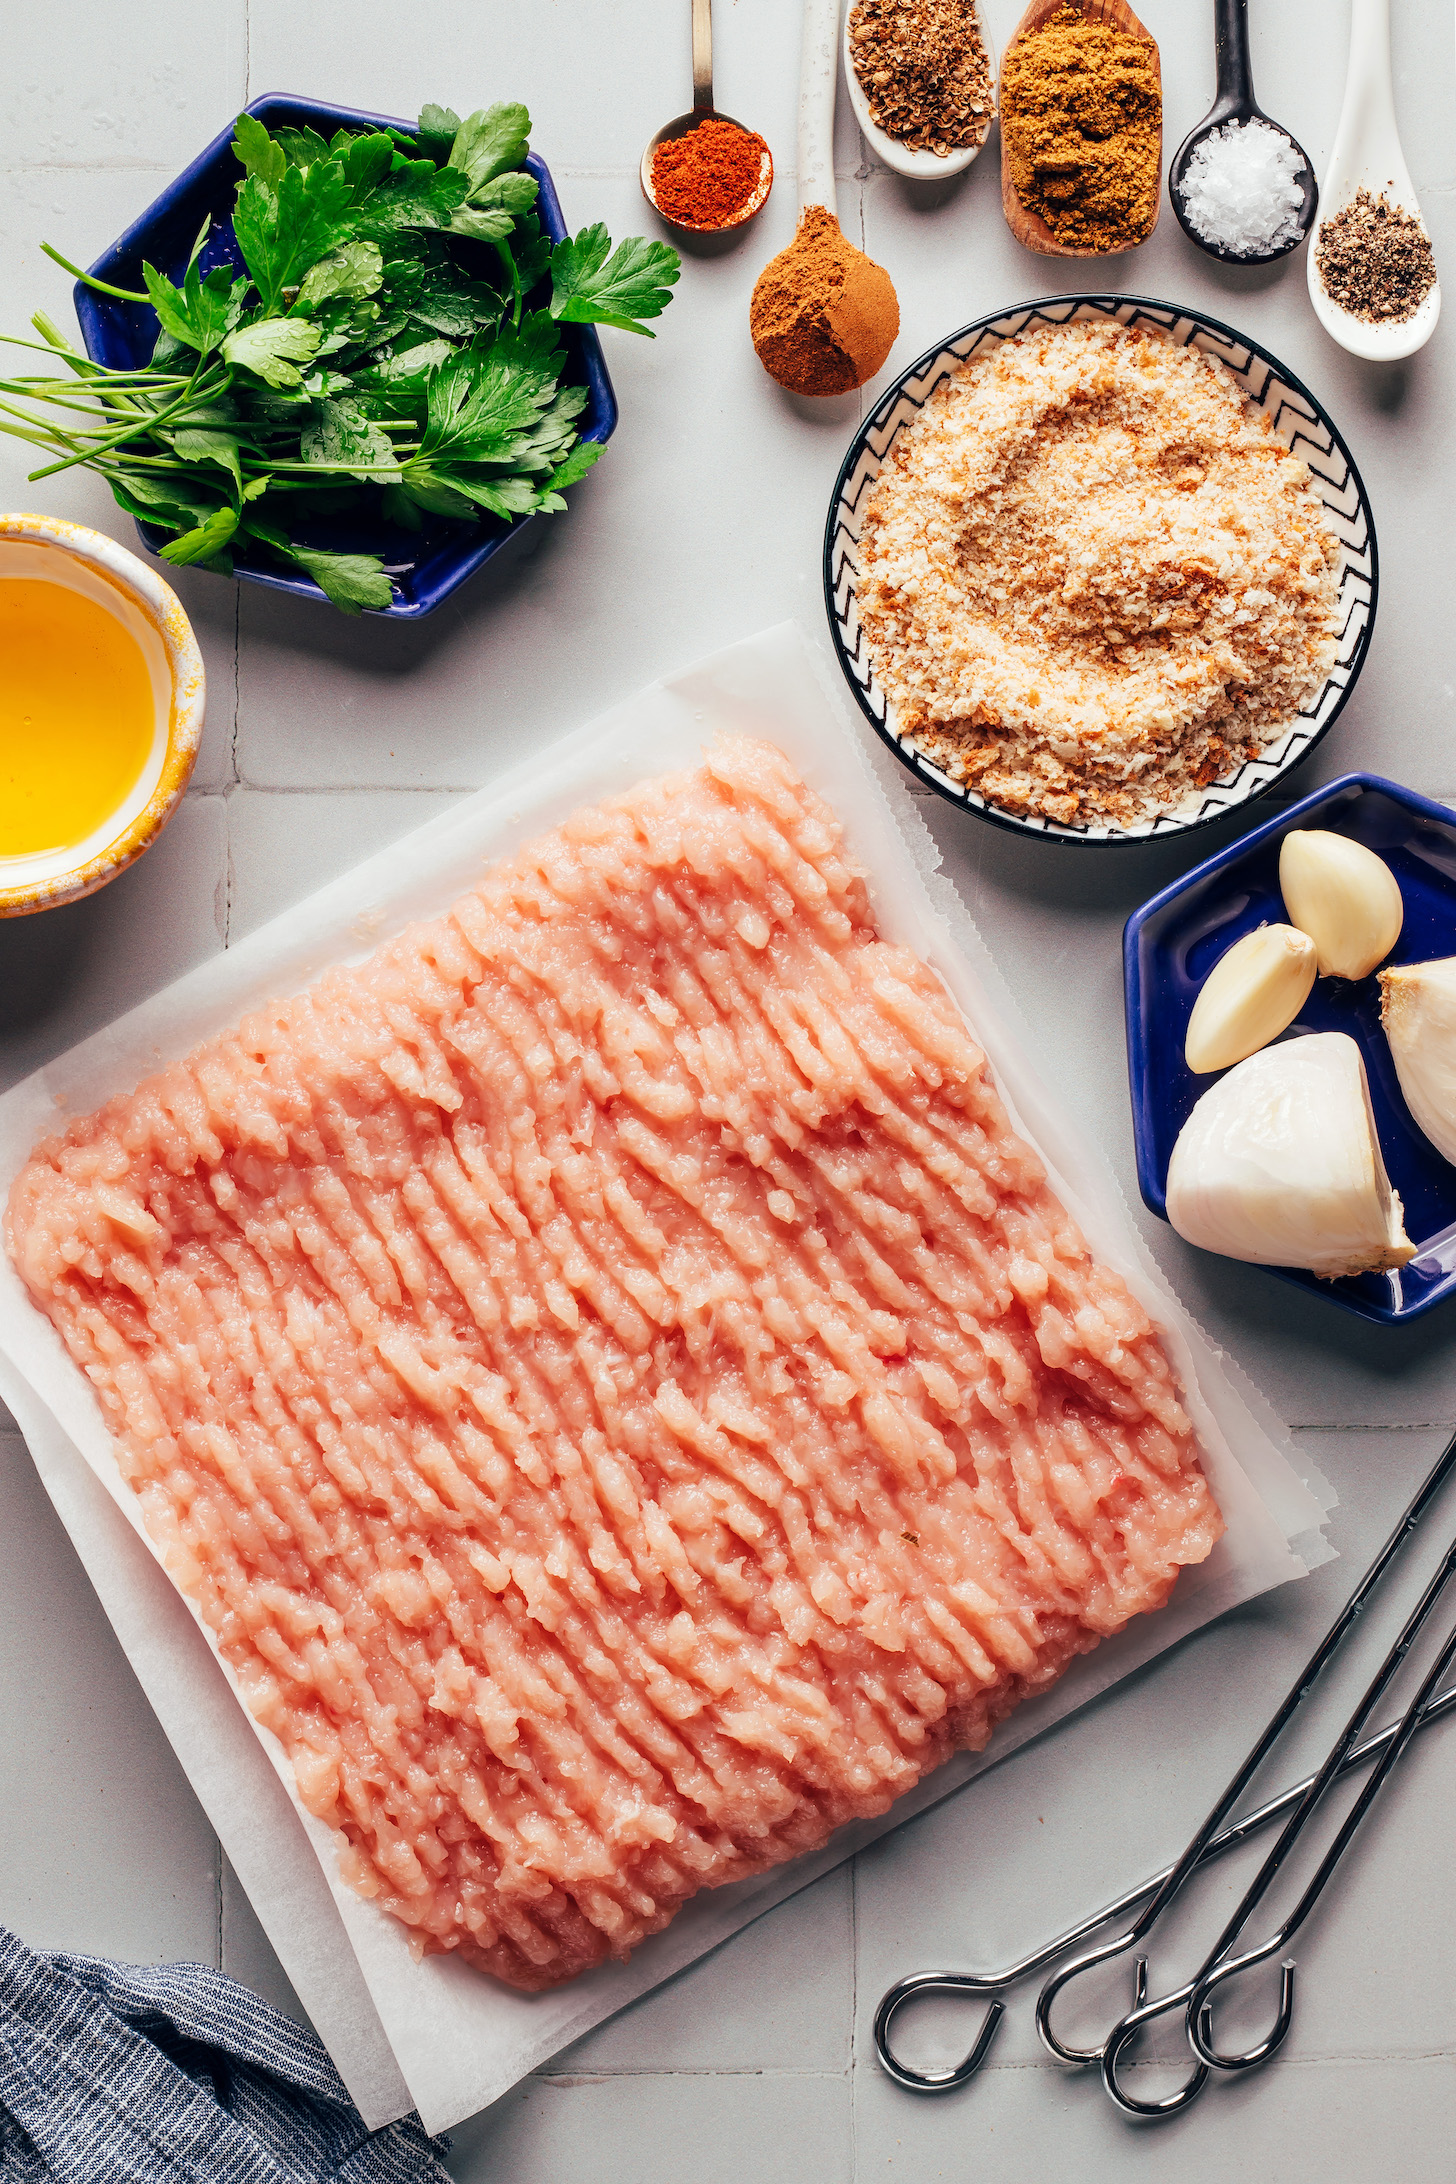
x: 56, y: 552
x: 1297, y: 418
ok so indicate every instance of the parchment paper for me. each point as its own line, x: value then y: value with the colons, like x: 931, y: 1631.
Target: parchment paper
x: 437, y: 2035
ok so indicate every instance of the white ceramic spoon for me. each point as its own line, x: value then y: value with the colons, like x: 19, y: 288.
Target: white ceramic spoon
x: 888, y: 150
x: 1367, y: 155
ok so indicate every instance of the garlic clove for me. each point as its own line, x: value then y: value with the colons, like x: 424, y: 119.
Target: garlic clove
x: 1279, y: 1165
x: 1345, y: 897
x: 1418, y: 1010
x: 1253, y: 992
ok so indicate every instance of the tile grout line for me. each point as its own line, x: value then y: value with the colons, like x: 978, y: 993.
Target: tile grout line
x: 853, y: 2019
x: 227, y: 820
x: 350, y: 788
x: 607, y: 2074
x: 1053, y: 2072
x: 237, y: 682
x: 228, y: 874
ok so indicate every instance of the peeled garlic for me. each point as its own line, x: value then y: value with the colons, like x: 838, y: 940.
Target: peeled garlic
x: 1344, y: 897
x: 1252, y: 993
x: 1418, y: 1010
x: 1279, y: 1164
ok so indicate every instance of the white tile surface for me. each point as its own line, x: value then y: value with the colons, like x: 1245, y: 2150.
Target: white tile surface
x: 93, y: 87
x: 70, y: 970
x: 326, y: 737
x: 1352, y: 2122
x: 283, y: 845
x: 106, y: 1848
x: 772, y: 2126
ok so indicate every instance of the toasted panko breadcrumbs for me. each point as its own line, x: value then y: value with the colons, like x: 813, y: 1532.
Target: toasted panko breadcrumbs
x: 1093, y: 579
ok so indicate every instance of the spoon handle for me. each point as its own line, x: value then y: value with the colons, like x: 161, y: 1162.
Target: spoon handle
x: 818, y: 81
x: 702, y: 56
x: 1235, y: 78
x: 1367, y: 128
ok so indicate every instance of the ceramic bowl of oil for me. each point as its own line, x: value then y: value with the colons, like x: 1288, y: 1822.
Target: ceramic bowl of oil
x: 101, y: 706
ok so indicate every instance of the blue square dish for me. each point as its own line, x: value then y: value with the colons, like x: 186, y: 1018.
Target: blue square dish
x: 1171, y: 944
x: 423, y: 566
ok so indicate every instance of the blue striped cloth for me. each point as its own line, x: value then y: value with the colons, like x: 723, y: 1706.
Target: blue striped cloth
x: 174, y: 2074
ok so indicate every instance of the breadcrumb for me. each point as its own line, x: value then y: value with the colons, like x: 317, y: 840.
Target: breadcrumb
x: 1093, y: 579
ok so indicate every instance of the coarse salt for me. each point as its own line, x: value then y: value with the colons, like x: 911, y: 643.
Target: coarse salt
x: 1241, y: 189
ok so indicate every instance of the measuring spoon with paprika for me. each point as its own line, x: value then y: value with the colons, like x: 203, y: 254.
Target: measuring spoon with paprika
x: 703, y: 172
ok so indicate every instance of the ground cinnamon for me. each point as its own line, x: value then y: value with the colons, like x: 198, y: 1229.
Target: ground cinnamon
x: 707, y: 178
x: 824, y: 316
x: 1082, y: 122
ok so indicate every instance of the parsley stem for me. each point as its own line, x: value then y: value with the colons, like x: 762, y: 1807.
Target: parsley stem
x: 94, y: 373
x: 151, y: 422
x: 103, y: 288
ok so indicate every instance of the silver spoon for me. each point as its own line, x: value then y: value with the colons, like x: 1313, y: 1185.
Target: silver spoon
x: 1235, y: 104
x: 703, y: 110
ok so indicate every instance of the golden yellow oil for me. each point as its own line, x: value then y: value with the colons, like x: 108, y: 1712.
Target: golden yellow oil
x: 76, y: 716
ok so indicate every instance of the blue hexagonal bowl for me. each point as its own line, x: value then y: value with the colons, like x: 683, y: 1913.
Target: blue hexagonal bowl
x: 425, y: 567
x: 1172, y: 943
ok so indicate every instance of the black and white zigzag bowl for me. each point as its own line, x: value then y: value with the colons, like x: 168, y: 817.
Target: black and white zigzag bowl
x: 1298, y: 419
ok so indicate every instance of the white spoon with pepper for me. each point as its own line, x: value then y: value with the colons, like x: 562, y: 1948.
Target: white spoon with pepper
x: 1367, y: 157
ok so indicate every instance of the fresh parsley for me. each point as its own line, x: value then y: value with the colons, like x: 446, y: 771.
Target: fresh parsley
x: 379, y: 339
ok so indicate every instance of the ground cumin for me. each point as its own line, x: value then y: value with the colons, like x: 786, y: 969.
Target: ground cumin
x: 708, y: 177
x: 1082, y: 120
x: 824, y: 316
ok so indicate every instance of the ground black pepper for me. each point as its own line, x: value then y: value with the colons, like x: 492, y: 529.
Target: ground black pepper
x: 1374, y: 260
x: 923, y: 70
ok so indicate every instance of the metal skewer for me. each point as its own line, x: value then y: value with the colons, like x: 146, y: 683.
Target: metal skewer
x: 992, y: 1984
x: 1193, y: 1994
x: 1210, y: 1840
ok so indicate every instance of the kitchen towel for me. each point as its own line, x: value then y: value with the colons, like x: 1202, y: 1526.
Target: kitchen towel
x: 174, y: 2074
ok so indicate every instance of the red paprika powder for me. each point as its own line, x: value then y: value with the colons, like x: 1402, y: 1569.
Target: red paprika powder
x: 709, y: 177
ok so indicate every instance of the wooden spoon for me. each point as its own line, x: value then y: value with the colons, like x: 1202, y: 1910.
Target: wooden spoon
x: 1028, y: 227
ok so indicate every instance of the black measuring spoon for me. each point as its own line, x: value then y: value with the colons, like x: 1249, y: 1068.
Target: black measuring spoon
x: 1235, y: 102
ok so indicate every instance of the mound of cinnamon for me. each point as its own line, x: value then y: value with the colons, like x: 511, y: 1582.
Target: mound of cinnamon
x: 824, y: 316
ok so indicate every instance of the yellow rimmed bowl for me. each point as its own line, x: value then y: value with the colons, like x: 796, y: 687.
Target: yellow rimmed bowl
x: 56, y: 552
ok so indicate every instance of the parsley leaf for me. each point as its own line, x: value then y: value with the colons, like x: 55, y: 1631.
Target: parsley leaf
x: 366, y: 160
x: 492, y: 211
x: 351, y: 581
x: 301, y: 147
x: 195, y: 446
x: 438, y: 130
x: 589, y: 288
x: 354, y: 269
x: 492, y: 140
x: 260, y: 154
x: 480, y: 402
x: 200, y: 312
x: 282, y: 233
x: 170, y: 502
x: 273, y: 348
x: 417, y: 194
x: 340, y: 432
x: 574, y: 467
x: 206, y: 543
